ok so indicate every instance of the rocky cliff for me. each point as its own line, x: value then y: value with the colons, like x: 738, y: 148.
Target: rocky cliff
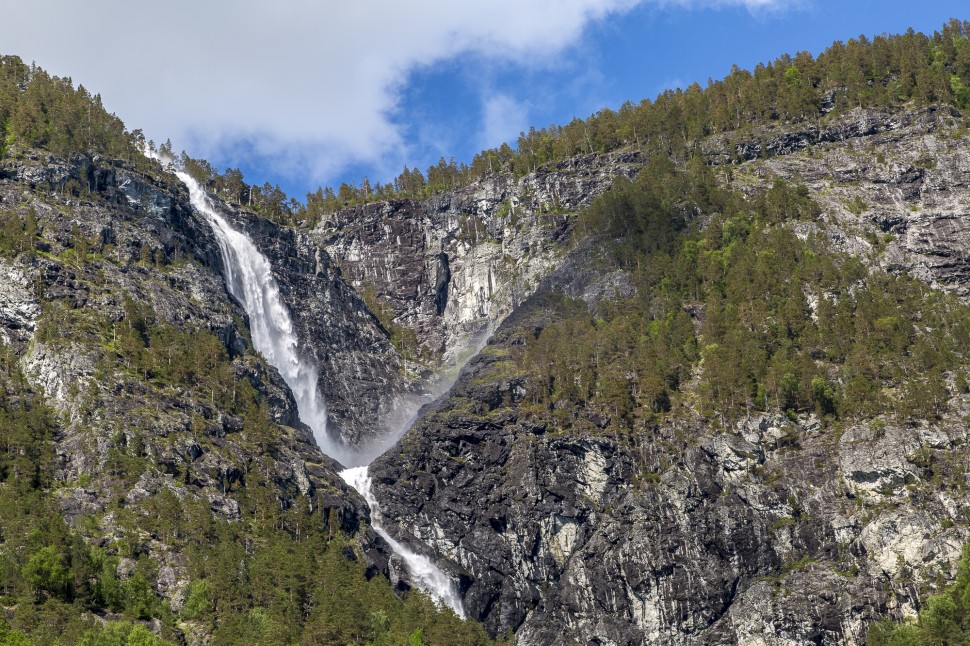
x: 893, y: 184
x: 777, y: 529
x: 773, y: 528
x: 117, y: 310
x: 452, y: 266
x: 362, y: 375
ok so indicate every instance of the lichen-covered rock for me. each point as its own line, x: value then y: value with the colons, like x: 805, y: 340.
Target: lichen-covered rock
x: 893, y: 187
x: 774, y: 531
x: 19, y: 308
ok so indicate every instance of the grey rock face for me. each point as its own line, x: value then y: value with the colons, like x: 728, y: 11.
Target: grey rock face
x: 454, y: 265
x: 893, y: 188
x: 19, y: 308
x: 768, y: 532
x: 772, y: 531
x: 361, y: 374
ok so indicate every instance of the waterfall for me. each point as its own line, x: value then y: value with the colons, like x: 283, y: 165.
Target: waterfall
x: 249, y: 278
x: 424, y: 573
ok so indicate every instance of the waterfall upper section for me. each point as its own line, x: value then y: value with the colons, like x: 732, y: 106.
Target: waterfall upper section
x: 249, y: 278
x: 329, y: 329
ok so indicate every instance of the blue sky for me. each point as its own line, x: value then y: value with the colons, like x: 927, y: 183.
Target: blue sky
x: 630, y: 57
x: 304, y: 93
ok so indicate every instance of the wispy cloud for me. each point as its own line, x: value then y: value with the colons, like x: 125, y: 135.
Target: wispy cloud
x: 311, y: 87
x: 504, y: 118
x: 754, y: 6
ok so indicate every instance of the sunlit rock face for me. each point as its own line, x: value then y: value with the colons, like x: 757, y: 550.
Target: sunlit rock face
x: 770, y: 531
x: 455, y: 264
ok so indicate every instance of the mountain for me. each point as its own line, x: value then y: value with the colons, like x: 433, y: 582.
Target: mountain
x: 693, y: 372
x: 155, y: 468
x: 590, y: 515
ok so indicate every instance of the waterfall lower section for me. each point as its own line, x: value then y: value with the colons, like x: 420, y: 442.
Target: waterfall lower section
x: 424, y: 573
x: 249, y: 278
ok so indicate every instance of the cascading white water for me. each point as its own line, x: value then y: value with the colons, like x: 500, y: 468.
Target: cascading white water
x: 249, y: 278
x: 424, y: 573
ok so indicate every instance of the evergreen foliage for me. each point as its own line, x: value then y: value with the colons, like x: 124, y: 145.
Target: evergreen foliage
x: 281, y: 575
x: 48, y: 573
x: 944, y: 619
x: 884, y: 72
x: 744, y: 311
x: 732, y: 312
x: 42, y: 111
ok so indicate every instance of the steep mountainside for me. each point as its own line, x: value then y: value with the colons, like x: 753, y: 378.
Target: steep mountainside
x: 172, y: 449
x: 692, y: 527
x: 718, y: 387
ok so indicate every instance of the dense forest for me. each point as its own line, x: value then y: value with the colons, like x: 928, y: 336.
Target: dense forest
x: 713, y: 329
x: 38, y: 110
x: 299, y: 586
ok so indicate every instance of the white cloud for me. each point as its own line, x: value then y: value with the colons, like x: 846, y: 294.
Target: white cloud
x: 504, y: 119
x: 311, y: 84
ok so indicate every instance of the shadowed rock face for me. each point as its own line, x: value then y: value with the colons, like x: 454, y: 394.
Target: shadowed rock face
x: 772, y: 531
x: 361, y: 373
x: 449, y: 267
x: 768, y: 530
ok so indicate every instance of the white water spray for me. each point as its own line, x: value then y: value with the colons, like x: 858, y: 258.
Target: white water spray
x: 424, y: 573
x: 249, y: 278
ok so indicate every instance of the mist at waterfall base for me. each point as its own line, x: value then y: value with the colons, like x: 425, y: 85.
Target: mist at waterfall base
x: 249, y: 278
x: 408, y: 408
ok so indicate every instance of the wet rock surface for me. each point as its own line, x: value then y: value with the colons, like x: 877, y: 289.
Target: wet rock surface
x: 769, y: 531
x: 362, y: 377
